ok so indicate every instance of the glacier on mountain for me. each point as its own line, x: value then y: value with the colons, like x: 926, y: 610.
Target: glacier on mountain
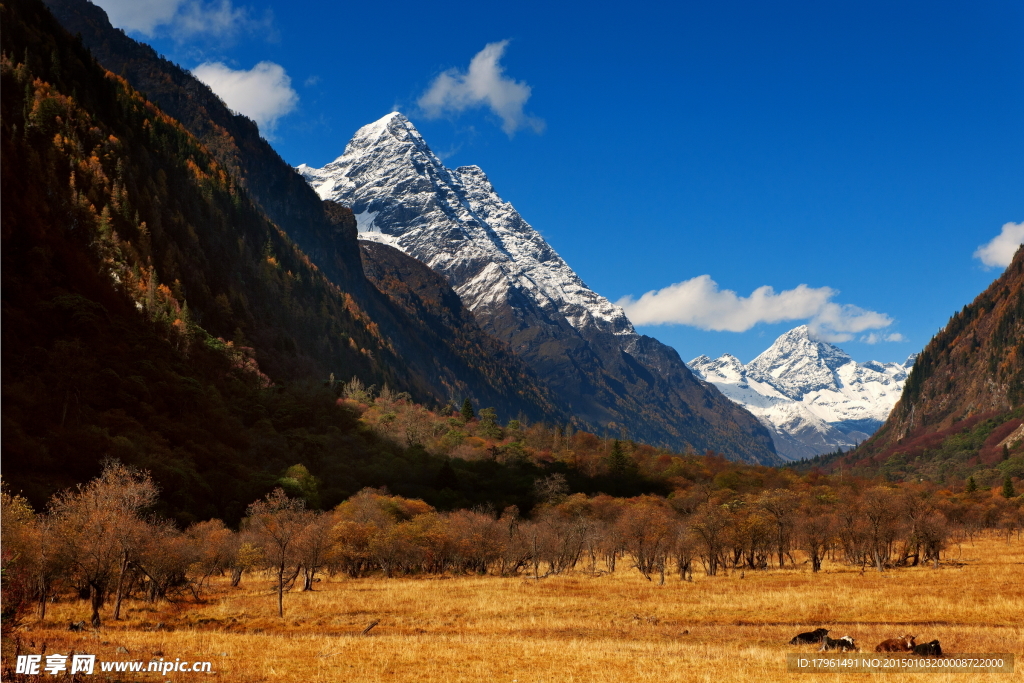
x: 810, y: 394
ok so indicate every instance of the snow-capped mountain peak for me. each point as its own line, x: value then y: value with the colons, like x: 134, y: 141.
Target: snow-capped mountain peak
x: 524, y: 294
x: 456, y: 223
x: 810, y: 393
x: 798, y: 363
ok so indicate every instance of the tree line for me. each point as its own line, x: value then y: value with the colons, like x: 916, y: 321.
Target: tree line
x: 100, y: 543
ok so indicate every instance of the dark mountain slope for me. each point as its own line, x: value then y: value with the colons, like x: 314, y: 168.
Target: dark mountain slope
x: 253, y: 165
x: 962, y: 402
x: 452, y: 332
x: 106, y: 200
x: 232, y: 139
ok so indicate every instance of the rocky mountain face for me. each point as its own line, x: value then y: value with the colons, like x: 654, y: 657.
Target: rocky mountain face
x: 325, y: 233
x: 523, y: 293
x: 811, y: 395
x: 453, y: 335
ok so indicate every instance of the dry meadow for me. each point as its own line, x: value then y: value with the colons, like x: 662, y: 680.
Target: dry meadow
x: 572, y: 627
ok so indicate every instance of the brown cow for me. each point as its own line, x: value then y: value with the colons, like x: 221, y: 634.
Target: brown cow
x: 901, y: 644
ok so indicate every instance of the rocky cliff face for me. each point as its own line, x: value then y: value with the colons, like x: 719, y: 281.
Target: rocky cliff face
x: 811, y: 395
x: 522, y: 292
x: 455, y: 339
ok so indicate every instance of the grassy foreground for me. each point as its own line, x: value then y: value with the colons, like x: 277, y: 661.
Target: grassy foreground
x: 576, y: 627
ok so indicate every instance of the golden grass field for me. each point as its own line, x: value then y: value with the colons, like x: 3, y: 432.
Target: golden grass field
x: 576, y: 627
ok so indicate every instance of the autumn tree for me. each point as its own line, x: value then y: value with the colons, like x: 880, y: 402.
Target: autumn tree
x: 99, y: 528
x: 213, y: 546
x: 164, y: 559
x: 23, y: 575
x: 315, y: 545
x: 781, y: 506
x: 648, y: 528
x: 933, y: 532
x: 276, y: 522
x: 711, y: 525
x: 816, y: 526
x: 881, y: 509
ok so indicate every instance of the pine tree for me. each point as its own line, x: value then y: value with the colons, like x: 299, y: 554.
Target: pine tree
x: 1008, y: 490
x: 446, y: 477
x: 972, y: 486
x: 620, y: 466
x: 467, y: 410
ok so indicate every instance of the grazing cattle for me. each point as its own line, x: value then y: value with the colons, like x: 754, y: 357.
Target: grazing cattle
x: 901, y: 644
x: 816, y: 636
x: 932, y: 649
x: 844, y: 644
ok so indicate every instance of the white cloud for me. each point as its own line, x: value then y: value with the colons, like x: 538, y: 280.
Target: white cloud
x: 484, y: 84
x: 700, y: 303
x: 875, y: 338
x: 183, y: 18
x: 142, y: 16
x: 263, y: 93
x: 1000, y: 250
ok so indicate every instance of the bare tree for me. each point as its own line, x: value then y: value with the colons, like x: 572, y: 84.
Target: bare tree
x: 881, y: 509
x: 781, y: 505
x: 648, y: 529
x: 711, y: 525
x: 314, y: 545
x: 276, y: 522
x: 213, y: 547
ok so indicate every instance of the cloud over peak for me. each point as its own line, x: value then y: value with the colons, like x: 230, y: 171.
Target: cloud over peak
x: 183, y: 19
x: 483, y: 85
x: 999, y: 251
x: 263, y: 93
x: 700, y: 303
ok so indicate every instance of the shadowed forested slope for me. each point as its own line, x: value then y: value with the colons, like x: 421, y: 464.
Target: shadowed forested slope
x: 324, y: 236
x: 961, y: 411
x: 150, y: 309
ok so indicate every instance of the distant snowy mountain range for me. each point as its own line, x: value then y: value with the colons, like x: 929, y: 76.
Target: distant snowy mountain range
x: 810, y: 394
x: 523, y: 293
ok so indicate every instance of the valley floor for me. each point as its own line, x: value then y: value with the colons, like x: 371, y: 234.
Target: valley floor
x: 576, y: 627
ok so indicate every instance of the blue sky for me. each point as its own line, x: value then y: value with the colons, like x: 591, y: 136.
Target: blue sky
x: 864, y: 150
